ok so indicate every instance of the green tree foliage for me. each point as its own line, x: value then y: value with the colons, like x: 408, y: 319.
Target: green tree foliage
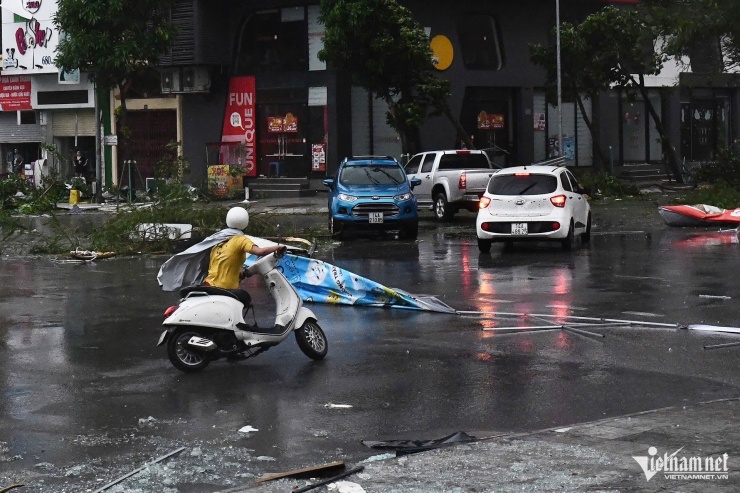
x: 615, y: 47
x: 698, y: 28
x: 387, y: 52
x: 579, y: 74
x: 112, y: 41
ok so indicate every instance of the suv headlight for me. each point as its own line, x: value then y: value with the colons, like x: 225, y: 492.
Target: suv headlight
x: 403, y: 197
x: 346, y: 198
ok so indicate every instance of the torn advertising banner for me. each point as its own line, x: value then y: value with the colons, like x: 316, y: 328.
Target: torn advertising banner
x: 321, y: 282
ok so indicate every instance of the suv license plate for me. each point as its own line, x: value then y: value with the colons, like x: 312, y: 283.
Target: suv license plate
x: 519, y: 229
x: 376, y: 217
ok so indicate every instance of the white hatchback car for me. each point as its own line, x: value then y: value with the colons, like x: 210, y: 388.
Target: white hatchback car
x: 533, y: 203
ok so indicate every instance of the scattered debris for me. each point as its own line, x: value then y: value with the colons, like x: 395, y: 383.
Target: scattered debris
x: 90, y: 255
x: 147, y: 422
x: 338, y: 406
x: 405, y: 447
x: 159, y: 231
x: 247, y: 429
x: 346, y: 487
x: 330, y: 480
x: 135, y: 471
x: 8, y: 488
x: 377, y: 458
x: 305, y: 472
x: 716, y: 297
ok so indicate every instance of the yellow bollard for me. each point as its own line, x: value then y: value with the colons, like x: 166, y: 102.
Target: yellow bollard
x: 74, y: 196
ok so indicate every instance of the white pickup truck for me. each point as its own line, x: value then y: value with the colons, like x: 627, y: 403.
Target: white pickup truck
x: 450, y: 180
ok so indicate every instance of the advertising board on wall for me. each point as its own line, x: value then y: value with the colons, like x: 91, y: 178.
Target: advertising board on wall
x: 15, y: 93
x: 29, y: 36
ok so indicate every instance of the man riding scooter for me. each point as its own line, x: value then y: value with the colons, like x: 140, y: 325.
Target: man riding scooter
x: 216, y: 261
x: 227, y: 259
x: 208, y: 322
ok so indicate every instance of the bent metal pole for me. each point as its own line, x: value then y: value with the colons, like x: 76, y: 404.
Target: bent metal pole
x: 572, y: 317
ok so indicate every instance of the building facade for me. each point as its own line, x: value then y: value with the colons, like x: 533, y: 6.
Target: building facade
x: 296, y: 117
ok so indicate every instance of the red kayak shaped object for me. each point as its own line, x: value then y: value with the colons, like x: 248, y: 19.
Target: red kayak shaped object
x: 698, y: 215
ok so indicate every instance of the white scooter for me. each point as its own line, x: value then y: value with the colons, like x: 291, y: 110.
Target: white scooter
x: 208, y: 323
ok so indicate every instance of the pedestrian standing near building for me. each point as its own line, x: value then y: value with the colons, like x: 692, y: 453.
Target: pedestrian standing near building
x: 17, y: 163
x: 80, y: 165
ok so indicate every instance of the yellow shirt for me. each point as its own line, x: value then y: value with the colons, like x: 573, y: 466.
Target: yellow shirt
x: 227, y: 259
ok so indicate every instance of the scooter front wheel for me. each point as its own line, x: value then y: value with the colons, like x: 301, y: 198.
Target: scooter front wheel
x: 182, y: 356
x: 311, y: 340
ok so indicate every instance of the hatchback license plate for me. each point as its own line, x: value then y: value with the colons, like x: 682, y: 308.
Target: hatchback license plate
x: 376, y: 217
x: 519, y: 229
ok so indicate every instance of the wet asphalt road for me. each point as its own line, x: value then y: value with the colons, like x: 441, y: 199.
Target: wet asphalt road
x: 80, y: 375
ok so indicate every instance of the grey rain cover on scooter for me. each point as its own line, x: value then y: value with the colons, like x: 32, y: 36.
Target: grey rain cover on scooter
x: 190, y: 267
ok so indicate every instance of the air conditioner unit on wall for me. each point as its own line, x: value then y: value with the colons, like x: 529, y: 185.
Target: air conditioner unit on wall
x: 170, y: 79
x: 196, y: 79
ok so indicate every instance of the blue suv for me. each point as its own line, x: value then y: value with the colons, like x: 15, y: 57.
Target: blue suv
x: 373, y: 194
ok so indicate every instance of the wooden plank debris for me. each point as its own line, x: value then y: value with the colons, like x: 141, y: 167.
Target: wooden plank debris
x: 305, y: 472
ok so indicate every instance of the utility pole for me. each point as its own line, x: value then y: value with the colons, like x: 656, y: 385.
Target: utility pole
x: 559, y: 75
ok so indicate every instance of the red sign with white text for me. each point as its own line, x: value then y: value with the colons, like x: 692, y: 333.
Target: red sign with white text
x: 239, y: 122
x: 15, y: 92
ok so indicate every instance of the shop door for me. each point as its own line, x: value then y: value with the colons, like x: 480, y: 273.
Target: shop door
x: 151, y: 131
x: 282, y: 140
x: 702, y: 121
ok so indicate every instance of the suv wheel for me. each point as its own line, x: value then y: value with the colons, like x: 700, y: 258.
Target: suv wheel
x: 410, y: 230
x: 334, y: 230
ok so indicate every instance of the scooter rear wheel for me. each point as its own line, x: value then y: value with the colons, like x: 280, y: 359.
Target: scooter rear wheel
x: 311, y: 340
x: 183, y: 357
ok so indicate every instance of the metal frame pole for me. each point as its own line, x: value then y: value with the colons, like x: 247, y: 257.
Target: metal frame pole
x: 559, y: 76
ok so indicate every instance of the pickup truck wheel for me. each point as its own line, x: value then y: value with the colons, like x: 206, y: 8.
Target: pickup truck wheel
x: 484, y: 246
x: 443, y: 211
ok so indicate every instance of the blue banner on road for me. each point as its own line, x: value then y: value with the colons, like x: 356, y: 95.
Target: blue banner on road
x: 320, y: 282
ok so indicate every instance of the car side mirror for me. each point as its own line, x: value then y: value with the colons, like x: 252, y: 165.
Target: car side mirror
x: 414, y: 182
x: 329, y: 182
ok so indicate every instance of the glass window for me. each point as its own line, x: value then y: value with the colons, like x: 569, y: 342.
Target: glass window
x: 566, y: 182
x: 371, y: 175
x: 273, y: 43
x: 524, y: 184
x: 479, y: 42
x: 426, y: 166
x: 412, y: 167
x: 463, y: 161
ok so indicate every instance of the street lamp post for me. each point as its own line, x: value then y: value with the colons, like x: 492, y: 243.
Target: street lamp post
x: 559, y: 77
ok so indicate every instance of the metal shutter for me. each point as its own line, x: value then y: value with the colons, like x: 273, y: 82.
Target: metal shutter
x: 12, y: 133
x: 70, y: 123
x: 584, y: 152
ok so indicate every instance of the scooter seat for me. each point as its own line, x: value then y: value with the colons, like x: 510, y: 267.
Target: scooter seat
x: 207, y: 290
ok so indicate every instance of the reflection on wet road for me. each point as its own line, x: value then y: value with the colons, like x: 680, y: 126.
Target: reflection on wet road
x: 79, y: 369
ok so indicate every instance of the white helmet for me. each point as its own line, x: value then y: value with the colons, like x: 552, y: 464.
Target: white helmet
x: 238, y: 218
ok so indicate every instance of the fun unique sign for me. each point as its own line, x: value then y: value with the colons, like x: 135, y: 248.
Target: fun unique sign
x: 239, y: 121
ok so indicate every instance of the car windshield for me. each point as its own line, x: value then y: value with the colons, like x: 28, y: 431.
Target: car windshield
x: 371, y: 175
x: 522, y: 184
x: 463, y: 161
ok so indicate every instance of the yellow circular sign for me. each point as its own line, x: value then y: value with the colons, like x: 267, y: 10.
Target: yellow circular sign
x: 441, y: 52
